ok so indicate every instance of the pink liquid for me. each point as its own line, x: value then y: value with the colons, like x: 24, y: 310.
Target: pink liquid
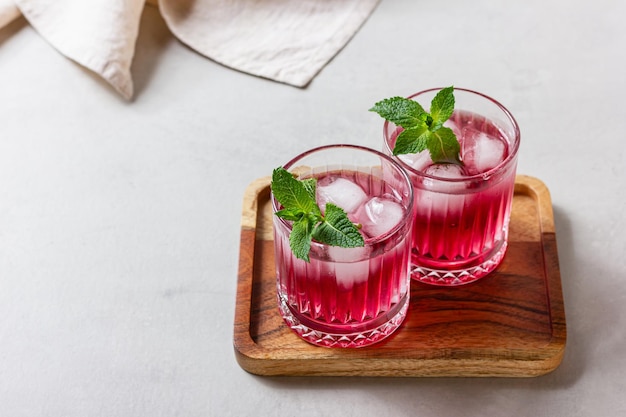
x: 450, y: 238
x: 350, y: 299
x: 461, y: 225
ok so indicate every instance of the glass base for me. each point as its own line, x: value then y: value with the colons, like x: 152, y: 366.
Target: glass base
x: 355, y: 339
x: 462, y: 276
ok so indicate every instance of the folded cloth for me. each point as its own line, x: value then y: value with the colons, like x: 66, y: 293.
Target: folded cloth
x: 284, y: 40
x: 98, y: 34
x: 8, y: 12
x: 288, y: 41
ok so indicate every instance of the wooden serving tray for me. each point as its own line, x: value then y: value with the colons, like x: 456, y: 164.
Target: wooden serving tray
x: 508, y: 324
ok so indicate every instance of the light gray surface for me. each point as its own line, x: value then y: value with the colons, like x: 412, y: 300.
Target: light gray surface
x: 119, y: 222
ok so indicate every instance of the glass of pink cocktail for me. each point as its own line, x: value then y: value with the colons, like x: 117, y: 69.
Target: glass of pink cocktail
x: 349, y: 297
x: 462, y: 211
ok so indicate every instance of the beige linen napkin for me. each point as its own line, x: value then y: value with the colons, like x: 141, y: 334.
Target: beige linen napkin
x: 98, y: 34
x: 284, y: 40
x: 8, y: 12
x: 288, y: 41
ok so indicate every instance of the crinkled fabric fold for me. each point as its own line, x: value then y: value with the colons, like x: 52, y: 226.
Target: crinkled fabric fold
x: 98, y: 34
x: 283, y: 40
x: 8, y: 12
x: 288, y: 41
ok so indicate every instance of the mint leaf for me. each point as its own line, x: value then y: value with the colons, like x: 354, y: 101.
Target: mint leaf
x: 290, y: 214
x: 400, y: 111
x: 423, y: 130
x: 442, y: 106
x: 338, y: 230
x: 443, y: 146
x: 294, y: 194
x: 309, y: 185
x: 300, y: 238
x: 412, y: 140
x: 300, y: 206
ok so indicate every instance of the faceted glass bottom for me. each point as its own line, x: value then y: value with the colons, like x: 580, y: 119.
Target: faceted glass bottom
x: 454, y: 277
x: 344, y: 338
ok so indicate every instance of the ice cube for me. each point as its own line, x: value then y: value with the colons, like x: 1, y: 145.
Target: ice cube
x: 339, y: 254
x: 481, y: 152
x: 349, y: 274
x: 442, y: 196
x: 454, y: 126
x: 418, y: 161
x: 434, y: 204
x: 379, y: 215
x: 448, y: 171
x: 445, y: 172
x: 340, y: 192
x: 351, y: 264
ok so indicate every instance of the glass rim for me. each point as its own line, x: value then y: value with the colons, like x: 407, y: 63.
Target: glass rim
x: 480, y: 176
x: 407, y: 217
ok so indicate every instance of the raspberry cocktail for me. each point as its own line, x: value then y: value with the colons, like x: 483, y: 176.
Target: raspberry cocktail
x: 462, y: 208
x: 348, y: 296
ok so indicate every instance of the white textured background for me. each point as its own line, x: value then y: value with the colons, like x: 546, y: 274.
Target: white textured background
x: 119, y: 222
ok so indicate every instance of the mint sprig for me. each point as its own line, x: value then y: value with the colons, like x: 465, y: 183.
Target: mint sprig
x: 423, y: 130
x: 299, y: 205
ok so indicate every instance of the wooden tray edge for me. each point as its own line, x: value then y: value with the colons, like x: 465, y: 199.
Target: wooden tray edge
x: 246, y: 350
x: 555, y: 349
x: 551, y: 265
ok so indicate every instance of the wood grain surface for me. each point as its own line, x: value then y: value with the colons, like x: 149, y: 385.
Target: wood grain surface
x: 508, y: 324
